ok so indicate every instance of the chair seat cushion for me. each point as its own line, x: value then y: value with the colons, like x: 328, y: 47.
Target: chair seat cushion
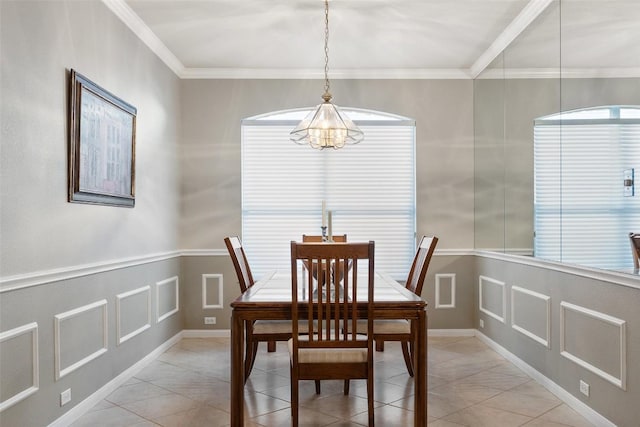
x: 329, y: 355
x: 278, y: 327
x: 386, y: 326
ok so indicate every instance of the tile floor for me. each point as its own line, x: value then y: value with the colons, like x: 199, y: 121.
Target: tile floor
x: 469, y: 385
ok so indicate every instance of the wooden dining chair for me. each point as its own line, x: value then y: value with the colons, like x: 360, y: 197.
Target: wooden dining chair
x: 635, y: 249
x: 400, y: 329
x: 259, y: 330
x: 334, y: 351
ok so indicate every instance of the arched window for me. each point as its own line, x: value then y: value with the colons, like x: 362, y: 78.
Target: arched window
x: 583, y: 212
x: 369, y: 188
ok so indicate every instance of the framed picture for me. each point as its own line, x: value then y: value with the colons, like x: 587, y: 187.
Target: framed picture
x: 102, y: 135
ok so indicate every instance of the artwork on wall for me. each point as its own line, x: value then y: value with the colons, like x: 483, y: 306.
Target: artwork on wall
x: 102, y: 133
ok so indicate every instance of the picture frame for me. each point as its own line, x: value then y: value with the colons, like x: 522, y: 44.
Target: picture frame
x: 102, y: 134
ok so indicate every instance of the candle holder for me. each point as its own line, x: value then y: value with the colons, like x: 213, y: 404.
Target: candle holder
x: 324, y: 233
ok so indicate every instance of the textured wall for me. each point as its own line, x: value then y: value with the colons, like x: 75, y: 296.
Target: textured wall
x: 40, y: 42
x: 42, y: 235
x: 213, y: 109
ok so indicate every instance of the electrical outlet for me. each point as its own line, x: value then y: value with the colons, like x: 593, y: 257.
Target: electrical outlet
x: 584, y: 388
x: 481, y: 323
x: 65, y: 397
x: 209, y: 320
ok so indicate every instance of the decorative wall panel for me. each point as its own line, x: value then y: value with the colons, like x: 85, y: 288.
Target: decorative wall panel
x: 449, y: 295
x: 133, y: 313
x: 531, y: 314
x: 492, y: 298
x: 19, y: 364
x: 212, y: 298
x: 167, y: 298
x: 594, y: 340
x: 80, y: 337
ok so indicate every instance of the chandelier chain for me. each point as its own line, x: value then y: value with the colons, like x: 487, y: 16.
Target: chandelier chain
x: 326, y: 46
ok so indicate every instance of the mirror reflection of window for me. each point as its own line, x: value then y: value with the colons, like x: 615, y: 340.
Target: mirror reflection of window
x: 581, y: 212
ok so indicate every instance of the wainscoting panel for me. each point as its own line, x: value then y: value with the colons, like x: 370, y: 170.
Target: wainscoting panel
x: 80, y: 337
x: 531, y: 314
x: 594, y: 340
x: 133, y: 313
x: 19, y: 364
x: 167, y: 297
x: 446, y: 290
x: 212, y: 297
x: 492, y: 298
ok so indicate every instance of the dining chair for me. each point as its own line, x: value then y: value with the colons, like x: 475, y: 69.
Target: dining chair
x: 635, y: 249
x: 401, y: 329
x: 334, y: 351
x: 259, y: 330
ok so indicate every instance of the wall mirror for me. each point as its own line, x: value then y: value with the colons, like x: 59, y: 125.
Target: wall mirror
x: 577, y: 54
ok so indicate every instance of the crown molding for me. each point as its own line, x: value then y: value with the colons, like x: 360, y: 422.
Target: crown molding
x: 338, y: 74
x: 557, y: 73
x: 144, y: 33
x: 530, y: 12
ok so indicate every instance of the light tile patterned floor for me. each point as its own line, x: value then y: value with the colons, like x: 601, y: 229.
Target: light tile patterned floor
x: 469, y: 385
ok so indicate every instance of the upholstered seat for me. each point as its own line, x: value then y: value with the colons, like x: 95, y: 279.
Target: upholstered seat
x: 386, y: 326
x: 277, y: 327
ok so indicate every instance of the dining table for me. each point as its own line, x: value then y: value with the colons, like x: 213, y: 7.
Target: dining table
x: 270, y: 299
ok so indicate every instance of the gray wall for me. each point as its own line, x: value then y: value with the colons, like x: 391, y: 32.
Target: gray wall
x: 212, y: 111
x: 47, y: 241
x: 589, y: 332
x: 41, y: 41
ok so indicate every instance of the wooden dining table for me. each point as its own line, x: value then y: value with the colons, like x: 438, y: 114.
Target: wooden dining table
x: 270, y: 299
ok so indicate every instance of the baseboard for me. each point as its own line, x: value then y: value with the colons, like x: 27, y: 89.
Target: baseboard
x: 580, y: 407
x: 206, y: 333
x: 451, y: 332
x: 83, y: 407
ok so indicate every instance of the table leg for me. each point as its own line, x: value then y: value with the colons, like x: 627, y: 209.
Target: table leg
x: 237, y: 370
x: 420, y: 370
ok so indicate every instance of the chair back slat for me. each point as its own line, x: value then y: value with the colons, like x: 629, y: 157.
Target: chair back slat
x: 331, y: 286
x: 421, y: 261
x: 240, y: 262
x: 635, y: 249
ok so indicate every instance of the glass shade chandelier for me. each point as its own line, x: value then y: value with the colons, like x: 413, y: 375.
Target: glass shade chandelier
x: 326, y: 126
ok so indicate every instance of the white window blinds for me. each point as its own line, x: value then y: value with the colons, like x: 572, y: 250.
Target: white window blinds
x: 581, y: 214
x: 368, y: 187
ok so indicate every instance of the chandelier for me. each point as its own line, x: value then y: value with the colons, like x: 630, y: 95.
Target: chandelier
x: 326, y: 127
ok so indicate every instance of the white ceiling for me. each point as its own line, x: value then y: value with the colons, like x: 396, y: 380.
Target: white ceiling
x: 381, y: 38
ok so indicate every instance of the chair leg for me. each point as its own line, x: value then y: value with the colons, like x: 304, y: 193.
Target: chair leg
x: 370, y: 401
x: 379, y: 345
x: 408, y: 357
x: 317, y: 386
x: 294, y: 398
x: 252, y: 351
x: 271, y: 346
x: 346, y: 387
